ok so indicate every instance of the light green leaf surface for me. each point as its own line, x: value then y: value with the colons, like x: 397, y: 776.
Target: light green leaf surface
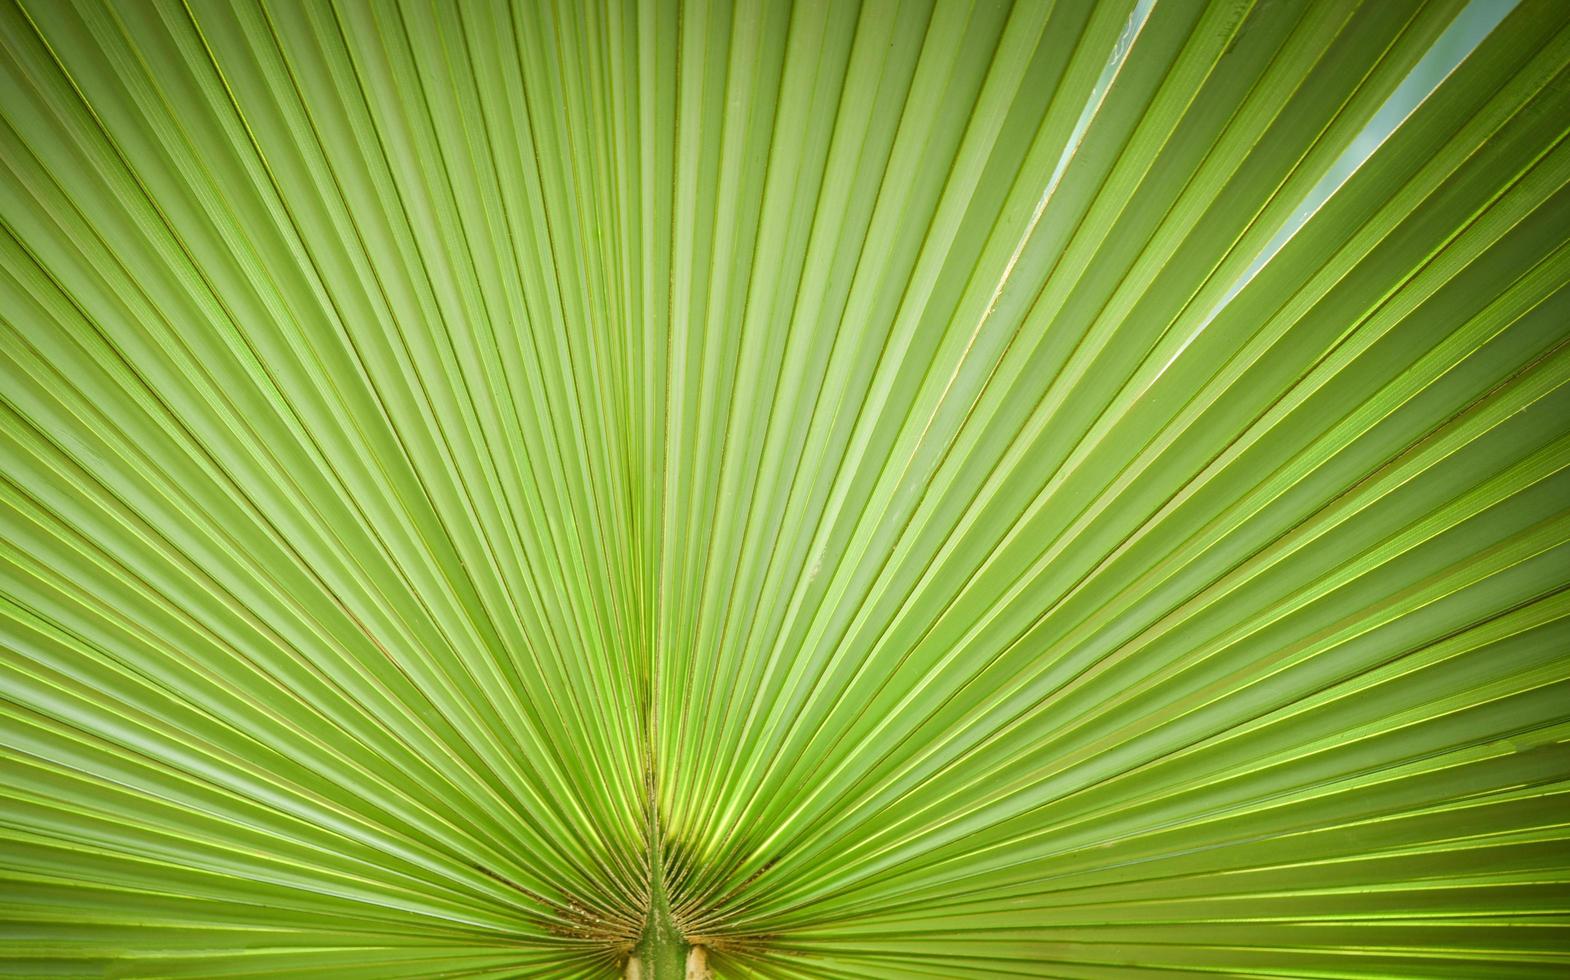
x: 897, y: 488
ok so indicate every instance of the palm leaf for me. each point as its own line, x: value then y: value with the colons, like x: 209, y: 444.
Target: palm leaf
x: 882, y: 489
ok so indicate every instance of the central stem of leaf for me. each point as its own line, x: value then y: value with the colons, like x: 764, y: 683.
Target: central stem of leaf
x: 661, y: 953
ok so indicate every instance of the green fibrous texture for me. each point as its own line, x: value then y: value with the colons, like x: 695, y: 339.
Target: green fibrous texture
x: 799, y: 490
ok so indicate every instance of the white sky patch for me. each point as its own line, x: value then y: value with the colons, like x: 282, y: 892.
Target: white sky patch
x: 1136, y: 22
x: 1460, y: 39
